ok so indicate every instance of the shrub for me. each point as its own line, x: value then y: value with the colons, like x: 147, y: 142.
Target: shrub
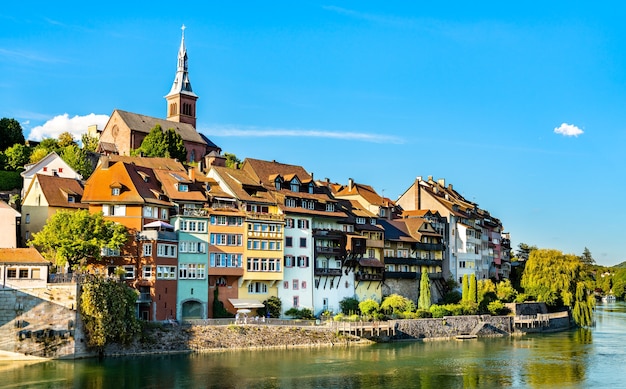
x: 369, y: 307
x: 349, y: 305
x: 439, y: 311
x: 339, y: 317
x: 469, y: 308
x: 452, y: 297
x: 505, y: 291
x: 522, y: 297
x: 497, y: 308
x: 423, y: 314
x: 273, y: 305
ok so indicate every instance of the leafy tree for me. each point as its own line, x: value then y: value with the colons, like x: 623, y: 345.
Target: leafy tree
x: 369, y: 307
x: 231, y: 160
x: 3, y: 161
x: 89, y: 143
x: 66, y: 139
x: 10, y: 180
x: 505, y: 291
x: 304, y: 313
x: 395, y: 304
x: 349, y: 305
x: 473, y: 289
x: 560, y: 280
x: 486, y: 293
x: 70, y: 237
x: 38, y: 153
x: 424, y: 300
x: 10, y: 133
x: 108, y: 311
x: 523, y: 251
x: 17, y: 156
x: 218, y: 307
x: 465, y: 288
x: 166, y: 144
x: 586, y: 257
x: 273, y: 305
x: 77, y: 159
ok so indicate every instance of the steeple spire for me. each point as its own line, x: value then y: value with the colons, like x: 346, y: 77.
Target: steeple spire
x: 181, y: 100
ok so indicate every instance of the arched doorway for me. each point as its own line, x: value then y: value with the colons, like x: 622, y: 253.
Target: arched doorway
x: 192, y: 310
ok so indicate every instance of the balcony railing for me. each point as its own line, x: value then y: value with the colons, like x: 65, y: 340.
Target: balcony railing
x: 413, y: 261
x: 406, y: 275
x: 321, y: 250
x: 325, y: 271
x: 265, y: 234
x: 429, y: 246
x: 368, y: 276
x: 144, y: 298
x: 264, y: 216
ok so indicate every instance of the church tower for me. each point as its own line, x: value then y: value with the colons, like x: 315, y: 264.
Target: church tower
x: 181, y: 101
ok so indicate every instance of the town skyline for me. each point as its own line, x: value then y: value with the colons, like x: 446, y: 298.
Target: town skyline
x: 521, y: 114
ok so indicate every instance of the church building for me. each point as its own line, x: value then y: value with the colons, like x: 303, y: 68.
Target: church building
x: 126, y: 130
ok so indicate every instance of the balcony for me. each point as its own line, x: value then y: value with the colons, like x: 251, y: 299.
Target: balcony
x: 325, y: 271
x: 328, y: 234
x: 404, y: 275
x: 429, y: 246
x: 158, y: 235
x: 195, y: 212
x: 328, y: 251
x: 265, y: 234
x: 413, y: 261
x: 144, y: 298
x: 358, y: 276
x: 375, y: 243
x: 264, y: 216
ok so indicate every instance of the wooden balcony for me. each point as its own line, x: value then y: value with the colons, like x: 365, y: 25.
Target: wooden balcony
x: 413, y: 261
x: 404, y: 275
x: 325, y: 271
x: 358, y: 276
x: 429, y: 246
x: 264, y: 216
x: 328, y: 251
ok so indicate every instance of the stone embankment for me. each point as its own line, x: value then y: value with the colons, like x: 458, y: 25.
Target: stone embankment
x: 195, y: 338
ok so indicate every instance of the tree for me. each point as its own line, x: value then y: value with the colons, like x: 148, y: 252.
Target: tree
x: 424, y: 300
x: 486, y: 293
x: 77, y: 159
x: 165, y: 144
x: 70, y: 237
x: 89, y: 143
x: 349, y: 305
x: 17, y: 156
x: 38, y: 153
x: 10, y: 133
x: 369, y: 307
x: 473, y: 289
x: 560, y: 280
x: 465, y: 288
x: 273, y: 305
x: 523, y: 251
x: 586, y: 257
x: 395, y: 304
x: 108, y: 311
x: 231, y: 160
x: 505, y: 291
x: 66, y: 139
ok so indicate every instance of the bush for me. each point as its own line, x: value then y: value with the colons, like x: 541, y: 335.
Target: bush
x: 497, y: 308
x: 369, y: 307
x: 304, y: 313
x: 439, y: 311
x: 273, y: 305
x: 349, y: 305
x: 452, y: 297
x: 10, y: 180
x: 423, y: 314
x: 339, y: 317
x: 522, y: 297
x: 469, y: 308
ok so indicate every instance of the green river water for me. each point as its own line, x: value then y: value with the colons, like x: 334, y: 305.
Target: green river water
x: 583, y: 358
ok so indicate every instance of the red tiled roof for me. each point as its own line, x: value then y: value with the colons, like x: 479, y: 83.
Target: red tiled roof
x: 22, y: 256
x: 57, y: 189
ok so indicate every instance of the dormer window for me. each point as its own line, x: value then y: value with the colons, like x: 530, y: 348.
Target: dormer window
x: 360, y: 220
x: 278, y: 183
x: 290, y: 203
x: 183, y: 188
x: 71, y: 199
x: 373, y: 221
x: 115, y: 191
x: 295, y: 186
x: 311, y: 187
x: 330, y: 207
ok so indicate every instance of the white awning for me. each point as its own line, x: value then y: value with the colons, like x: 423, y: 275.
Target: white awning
x: 246, y: 303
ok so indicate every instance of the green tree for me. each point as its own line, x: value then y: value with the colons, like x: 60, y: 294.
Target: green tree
x: 486, y: 293
x: 424, y: 299
x: 231, y: 160
x: 395, y: 304
x: 70, y: 237
x: 505, y: 291
x: 38, y: 153
x: 465, y: 288
x: 77, y: 159
x: 17, y: 156
x: 586, y: 257
x: 10, y: 133
x: 560, y: 280
x: 166, y: 144
x: 523, y: 251
x: 66, y: 139
x: 473, y: 289
x: 349, y: 305
x: 369, y: 307
x: 273, y: 305
x: 107, y: 309
x: 89, y: 143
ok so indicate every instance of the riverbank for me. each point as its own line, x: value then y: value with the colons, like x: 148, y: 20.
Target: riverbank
x: 195, y: 338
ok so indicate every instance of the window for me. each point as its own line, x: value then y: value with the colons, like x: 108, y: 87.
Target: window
x: 288, y: 223
x: 263, y: 264
x: 108, y: 252
x: 166, y: 250
x: 147, y: 211
x: 191, y: 271
x: 27, y: 218
x: 221, y: 281
x: 462, y: 264
x: 60, y: 170
x: 225, y: 260
x: 183, y: 188
x: 330, y: 207
x: 166, y: 272
x: 148, y: 271
x: 164, y: 214
x: 193, y: 226
x: 129, y: 272
x: 389, y: 253
x: 371, y: 253
x: 23, y: 273
x: 114, y: 210
x: 290, y: 203
x: 373, y: 222
x: 147, y: 249
x: 303, y: 223
x: 35, y: 273
x: 296, y: 301
x: 295, y: 186
x: 286, y: 285
x: 288, y: 241
x: 303, y: 285
x: 302, y: 242
x: 227, y: 240
x: 191, y: 247
x: 257, y: 288
x: 289, y: 260
x: 360, y: 220
x: 295, y: 284
x: 71, y: 199
x: 303, y: 261
x: 115, y: 191
x: 11, y: 273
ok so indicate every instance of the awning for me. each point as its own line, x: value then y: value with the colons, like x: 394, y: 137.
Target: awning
x: 246, y: 303
x: 158, y: 224
x: 370, y: 262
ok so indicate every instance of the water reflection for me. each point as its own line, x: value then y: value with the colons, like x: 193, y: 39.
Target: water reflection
x: 576, y: 359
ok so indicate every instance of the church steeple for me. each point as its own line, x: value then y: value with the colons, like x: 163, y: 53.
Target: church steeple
x: 181, y: 101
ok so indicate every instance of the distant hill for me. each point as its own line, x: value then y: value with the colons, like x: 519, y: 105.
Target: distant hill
x: 621, y: 265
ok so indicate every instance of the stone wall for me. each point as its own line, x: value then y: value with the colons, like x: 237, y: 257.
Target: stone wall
x: 41, y: 322
x: 452, y: 326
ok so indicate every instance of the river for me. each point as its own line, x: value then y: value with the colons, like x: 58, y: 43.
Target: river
x: 582, y: 358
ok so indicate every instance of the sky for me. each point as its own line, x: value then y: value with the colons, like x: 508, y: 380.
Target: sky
x: 520, y: 106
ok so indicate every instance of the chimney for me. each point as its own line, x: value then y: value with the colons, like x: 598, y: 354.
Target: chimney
x: 192, y: 173
x: 450, y: 186
x: 442, y: 182
x: 104, y: 161
x: 430, y: 179
x: 350, y: 184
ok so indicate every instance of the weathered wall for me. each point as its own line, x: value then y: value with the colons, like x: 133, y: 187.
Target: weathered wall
x: 452, y: 326
x: 41, y: 322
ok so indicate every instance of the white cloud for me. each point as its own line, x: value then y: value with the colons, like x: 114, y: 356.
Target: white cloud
x: 568, y: 130
x: 76, y: 126
x: 281, y: 132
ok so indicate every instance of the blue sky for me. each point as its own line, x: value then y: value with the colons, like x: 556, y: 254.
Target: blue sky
x: 521, y: 107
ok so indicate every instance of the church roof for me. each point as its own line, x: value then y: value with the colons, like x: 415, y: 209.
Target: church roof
x: 142, y: 123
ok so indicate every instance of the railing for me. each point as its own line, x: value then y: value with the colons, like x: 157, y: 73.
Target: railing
x: 196, y: 212
x: 368, y: 277
x: 321, y: 250
x: 64, y: 278
x: 363, y: 328
x: 324, y: 271
x: 265, y: 234
x: 144, y: 298
x: 405, y: 275
x: 264, y: 216
x: 429, y: 246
